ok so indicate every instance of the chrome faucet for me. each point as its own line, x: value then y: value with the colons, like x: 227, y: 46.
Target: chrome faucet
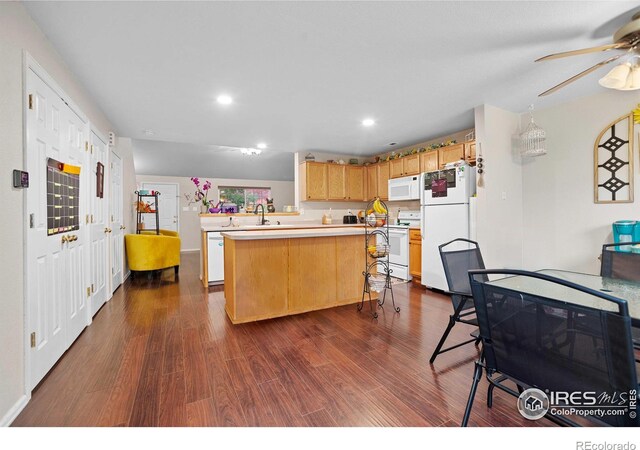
x: 262, y: 221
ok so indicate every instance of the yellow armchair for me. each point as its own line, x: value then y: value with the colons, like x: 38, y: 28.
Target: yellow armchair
x: 149, y: 251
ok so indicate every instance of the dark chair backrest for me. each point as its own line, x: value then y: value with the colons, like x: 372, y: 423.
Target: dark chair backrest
x: 459, y: 256
x: 552, y: 344
x: 620, y: 265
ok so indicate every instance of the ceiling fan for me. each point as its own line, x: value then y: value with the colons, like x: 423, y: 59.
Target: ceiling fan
x: 626, y: 38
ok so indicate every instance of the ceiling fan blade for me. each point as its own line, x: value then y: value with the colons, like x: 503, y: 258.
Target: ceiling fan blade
x: 583, y: 51
x: 580, y: 75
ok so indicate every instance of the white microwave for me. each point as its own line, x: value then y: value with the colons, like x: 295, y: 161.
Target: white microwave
x: 405, y: 188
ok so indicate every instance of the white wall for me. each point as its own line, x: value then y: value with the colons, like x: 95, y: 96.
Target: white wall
x: 281, y: 191
x: 563, y: 227
x: 17, y: 33
x: 499, y: 204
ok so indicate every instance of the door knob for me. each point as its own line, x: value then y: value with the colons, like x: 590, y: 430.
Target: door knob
x: 122, y: 227
x: 65, y: 239
x: 73, y: 237
x: 106, y: 230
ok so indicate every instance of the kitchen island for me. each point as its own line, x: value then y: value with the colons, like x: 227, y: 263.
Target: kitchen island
x: 274, y: 273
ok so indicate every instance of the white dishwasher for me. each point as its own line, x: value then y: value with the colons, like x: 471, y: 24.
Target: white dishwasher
x: 215, y: 259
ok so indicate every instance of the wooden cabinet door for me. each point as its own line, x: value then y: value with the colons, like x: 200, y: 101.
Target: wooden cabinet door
x: 411, y: 164
x: 429, y: 161
x: 383, y: 180
x: 372, y: 181
x: 415, y: 258
x: 451, y: 153
x: 356, y: 183
x: 470, y: 151
x: 316, y: 181
x: 336, y: 182
x: 396, y: 168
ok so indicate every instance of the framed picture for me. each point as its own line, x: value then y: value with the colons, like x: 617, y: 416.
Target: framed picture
x: 100, y: 180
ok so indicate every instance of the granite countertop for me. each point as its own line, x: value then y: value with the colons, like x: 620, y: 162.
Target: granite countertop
x: 287, y: 226
x: 294, y: 233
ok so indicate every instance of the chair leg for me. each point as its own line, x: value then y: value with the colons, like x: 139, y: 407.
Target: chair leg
x: 452, y: 322
x: 176, y: 269
x: 490, y: 395
x: 477, y: 375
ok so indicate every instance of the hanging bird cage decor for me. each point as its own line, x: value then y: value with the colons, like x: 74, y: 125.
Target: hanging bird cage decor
x: 533, y: 139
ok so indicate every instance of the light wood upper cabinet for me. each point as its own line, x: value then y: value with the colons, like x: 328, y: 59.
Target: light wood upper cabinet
x: 396, y: 168
x: 452, y: 153
x: 355, y: 181
x: 372, y: 181
x: 383, y: 180
x: 337, y: 189
x: 313, y: 181
x: 411, y: 164
x: 405, y: 166
x: 429, y: 161
x: 470, y: 151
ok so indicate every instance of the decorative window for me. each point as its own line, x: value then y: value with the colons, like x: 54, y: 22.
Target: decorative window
x: 613, y: 162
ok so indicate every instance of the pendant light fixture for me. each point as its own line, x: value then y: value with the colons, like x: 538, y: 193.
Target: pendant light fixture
x: 623, y: 77
x: 533, y: 138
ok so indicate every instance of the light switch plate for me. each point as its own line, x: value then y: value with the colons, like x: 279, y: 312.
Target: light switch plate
x: 185, y: 208
x: 194, y: 208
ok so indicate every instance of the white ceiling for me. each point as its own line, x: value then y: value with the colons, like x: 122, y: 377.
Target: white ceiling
x: 206, y: 161
x: 304, y: 74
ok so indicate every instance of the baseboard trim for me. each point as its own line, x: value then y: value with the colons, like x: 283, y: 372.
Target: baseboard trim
x: 126, y: 275
x: 190, y: 250
x: 14, y: 411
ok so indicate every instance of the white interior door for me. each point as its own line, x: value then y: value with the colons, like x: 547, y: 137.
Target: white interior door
x: 55, y: 268
x: 77, y: 310
x: 98, y: 220
x: 167, y: 208
x: 116, y: 234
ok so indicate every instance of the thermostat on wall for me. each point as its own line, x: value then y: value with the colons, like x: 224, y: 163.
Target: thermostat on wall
x: 20, y: 179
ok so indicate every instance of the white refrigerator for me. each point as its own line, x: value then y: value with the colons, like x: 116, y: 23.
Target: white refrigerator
x: 444, y: 209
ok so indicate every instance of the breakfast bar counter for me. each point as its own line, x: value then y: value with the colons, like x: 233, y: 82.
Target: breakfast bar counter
x: 275, y: 273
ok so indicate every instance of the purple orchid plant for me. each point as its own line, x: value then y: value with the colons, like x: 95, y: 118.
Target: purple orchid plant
x: 201, y: 194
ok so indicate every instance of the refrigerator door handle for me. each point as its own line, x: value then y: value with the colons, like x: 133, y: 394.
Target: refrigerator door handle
x: 422, y: 222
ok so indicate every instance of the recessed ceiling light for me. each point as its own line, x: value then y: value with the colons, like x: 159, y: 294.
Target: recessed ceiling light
x: 149, y: 132
x: 224, y: 99
x: 368, y: 122
x: 261, y: 145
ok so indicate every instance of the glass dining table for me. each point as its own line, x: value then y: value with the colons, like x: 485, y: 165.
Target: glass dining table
x: 625, y: 290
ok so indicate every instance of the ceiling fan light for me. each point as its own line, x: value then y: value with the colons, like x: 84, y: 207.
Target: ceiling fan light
x: 633, y: 80
x: 617, y: 77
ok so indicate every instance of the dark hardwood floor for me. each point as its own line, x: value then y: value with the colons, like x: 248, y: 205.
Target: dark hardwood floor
x: 163, y: 353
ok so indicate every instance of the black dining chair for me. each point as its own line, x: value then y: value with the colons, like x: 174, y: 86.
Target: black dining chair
x: 458, y: 257
x: 520, y: 332
x: 621, y: 266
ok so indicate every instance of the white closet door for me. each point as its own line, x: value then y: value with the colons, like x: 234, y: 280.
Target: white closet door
x: 55, y: 269
x: 98, y: 225
x: 77, y: 277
